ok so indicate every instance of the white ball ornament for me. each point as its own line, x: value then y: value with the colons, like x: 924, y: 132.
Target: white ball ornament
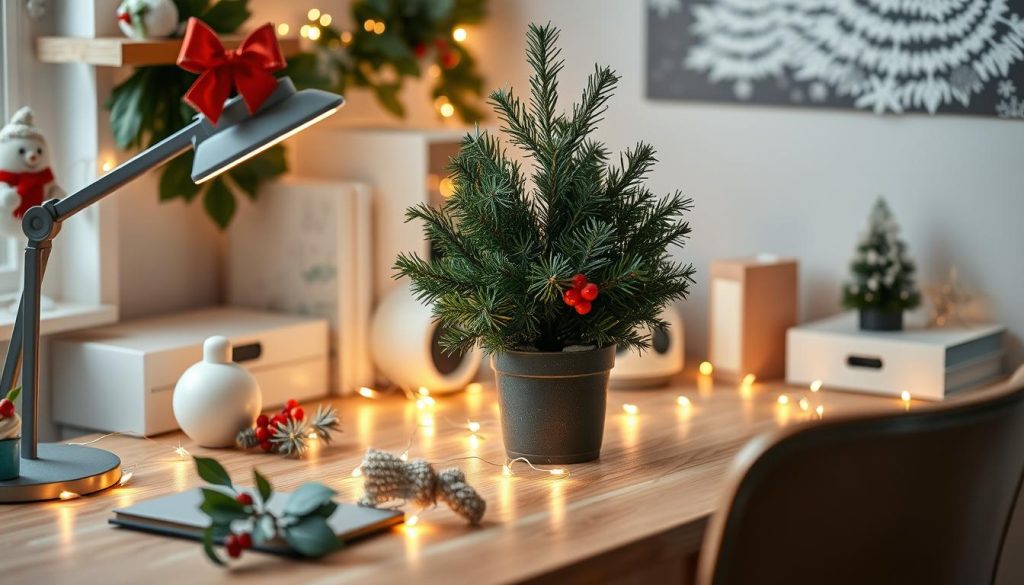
x: 216, y: 398
x: 147, y: 19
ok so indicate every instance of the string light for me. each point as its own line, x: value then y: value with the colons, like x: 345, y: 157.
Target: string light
x: 107, y: 166
x: 282, y: 29
x: 905, y: 396
x: 474, y: 388
x: 412, y: 520
x: 506, y: 470
x: 423, y: 391
x: 66, y: 495
x: 749, y: 380
x: 459, y: 34
x: 820, y: 410
x: 304, y: 30
x: 358, y: 471
x: 434, y: 71
x: 706, y: 368
x: 804, y: 405
x: 630, y: 408
x: 473, y: 426
x: 346, y: 37
x: 425, y: 403
x: 683, y: 401
x: 314, y: 33
x: 313, y: 14
x: 559, y: 471
x: 446, y: 187
x: 325, y: 20
x: 182, y: 452
x: 783, y: 399
x: 368, y: 25
x: 378, y: 28
x: 125, y: 478
x: 816, y: 385
x: 367, y: 392
x: 447, y: 110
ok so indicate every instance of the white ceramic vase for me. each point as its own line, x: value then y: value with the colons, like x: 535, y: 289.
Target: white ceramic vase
x: 216, y: 398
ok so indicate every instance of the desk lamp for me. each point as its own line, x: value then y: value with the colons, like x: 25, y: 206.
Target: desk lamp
x: 236, y: 135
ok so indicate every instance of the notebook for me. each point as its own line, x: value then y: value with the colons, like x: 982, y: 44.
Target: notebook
x: 178, y: 515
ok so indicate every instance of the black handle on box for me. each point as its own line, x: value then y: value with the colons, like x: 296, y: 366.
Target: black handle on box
x: 247, y: 352
x: 858, y: 361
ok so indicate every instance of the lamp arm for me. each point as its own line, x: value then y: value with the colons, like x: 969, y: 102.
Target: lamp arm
x: 41, y: 224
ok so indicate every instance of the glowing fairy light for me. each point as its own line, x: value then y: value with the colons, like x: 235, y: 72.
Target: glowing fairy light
x: 749, y: 380
x: 683, y: 401
x: 474, y: 388
x: 367, y: 392
x: 783, y: 399
x: 66, y: 495
x: 107, y: 166
x: 630, y: 408
x: 816, y: 385
x: 425, y: 403
x: 282, y: 29
x: 459, y: 34
x: 379, y: 28
x: 125, y: 478
x: 313, y: 14
x: 325, y: 20
x: 447, y: 110
x: 804, y: 405
x: 558, y: 471
x: 423, y: 391
x: 368, y: 25
x: 346, y: 37
x: 473, y: 426
x: 412, y: 520
x: 905, y: 396
x: 314, y: 33
x: 506, y: 470
x: 358, y: 471
x: 181, y: 451
x: 706, y: 368
x: 820, y: 410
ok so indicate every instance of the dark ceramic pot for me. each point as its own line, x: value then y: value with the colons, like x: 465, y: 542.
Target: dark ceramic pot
x: 10, y: 459
x: 881, y: 320
x: 553, y: 403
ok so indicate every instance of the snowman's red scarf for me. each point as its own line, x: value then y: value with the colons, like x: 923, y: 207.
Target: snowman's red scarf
x: 29, y: 186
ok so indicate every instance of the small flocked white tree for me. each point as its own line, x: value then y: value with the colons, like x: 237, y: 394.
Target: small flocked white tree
x: 882, y: 270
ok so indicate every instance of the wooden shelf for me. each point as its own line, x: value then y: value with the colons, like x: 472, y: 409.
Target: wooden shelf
x: 122, y: 51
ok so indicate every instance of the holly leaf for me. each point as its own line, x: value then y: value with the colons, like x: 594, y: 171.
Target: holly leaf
x: 125, y: 105
x: 208, y: 542
x: 222, y: 508
x: 219, y: 203
x: 189, y: 8
x: 227, y: 15
x: 312, y: 536
x: 176, y: 180
x: 307, y: 498
x: 262, y: 485
x: 212, y: 472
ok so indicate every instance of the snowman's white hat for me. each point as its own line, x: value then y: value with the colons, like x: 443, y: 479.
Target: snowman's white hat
x: 21, y: 126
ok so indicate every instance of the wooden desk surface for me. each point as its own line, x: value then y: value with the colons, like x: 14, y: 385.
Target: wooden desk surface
x: 644, y: 504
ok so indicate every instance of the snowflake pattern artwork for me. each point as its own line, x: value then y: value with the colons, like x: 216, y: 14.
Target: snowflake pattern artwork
x: 883, y: 56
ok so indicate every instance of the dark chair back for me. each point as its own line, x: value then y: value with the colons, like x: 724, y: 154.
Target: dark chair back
x: 913, y: 497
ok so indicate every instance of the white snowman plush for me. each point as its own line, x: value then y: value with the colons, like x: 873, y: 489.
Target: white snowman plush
x: 147, y: 19
x: 25, y: 176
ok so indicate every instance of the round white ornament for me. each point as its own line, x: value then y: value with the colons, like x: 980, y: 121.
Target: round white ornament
x: 216, y: 398
x: 147, y: 19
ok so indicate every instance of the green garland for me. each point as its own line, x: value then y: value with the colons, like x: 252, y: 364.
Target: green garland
x: 147, y: 106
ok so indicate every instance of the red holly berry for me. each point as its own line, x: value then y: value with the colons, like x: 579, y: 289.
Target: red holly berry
x: 298, y: 413
x: 278, y: 420
x: 6, y: 408
x: 292, y: 403
x: 571, y: 297
x: 589, y: 291
x: 265, y: 445
x: 583, y: 307
x: 234, y: 547
x: 245, y: 539
x: 262, y: 421
x: 420, y: 50
x: 262, y: 433
x: 449, y: 59
x: 579, y: 281
x: 244, y: 499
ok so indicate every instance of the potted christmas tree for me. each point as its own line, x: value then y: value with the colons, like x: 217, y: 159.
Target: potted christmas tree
x: 549, y: 275
x: 883, y: 275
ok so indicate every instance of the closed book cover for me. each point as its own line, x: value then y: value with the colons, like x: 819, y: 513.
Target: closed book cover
x: 178, y: 515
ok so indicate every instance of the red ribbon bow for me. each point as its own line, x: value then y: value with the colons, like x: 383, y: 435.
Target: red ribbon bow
x: 29, y: 187
x: 249, y: 68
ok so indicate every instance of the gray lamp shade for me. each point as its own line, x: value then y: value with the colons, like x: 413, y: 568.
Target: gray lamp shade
x: 239, y: 136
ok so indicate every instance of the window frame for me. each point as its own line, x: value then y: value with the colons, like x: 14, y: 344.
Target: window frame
x: 13, y: 48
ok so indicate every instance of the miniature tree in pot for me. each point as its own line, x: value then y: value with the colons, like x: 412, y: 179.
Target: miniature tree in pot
x: 550, y: 275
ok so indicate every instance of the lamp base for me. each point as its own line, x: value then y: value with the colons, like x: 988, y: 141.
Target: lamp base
x: 73, y: 468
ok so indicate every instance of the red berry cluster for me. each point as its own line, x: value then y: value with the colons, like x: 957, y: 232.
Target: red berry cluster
x: 236, y: 543
x: 6, y: 408
x: 581, y: 295
x: 265, y: 426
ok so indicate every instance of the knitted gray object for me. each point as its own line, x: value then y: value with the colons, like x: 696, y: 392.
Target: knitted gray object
x: 387, y: 477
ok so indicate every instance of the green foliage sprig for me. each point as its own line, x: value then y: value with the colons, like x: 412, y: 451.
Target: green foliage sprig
x: 508, y: 250
x: 302, y: 523
x: 146, y: 107
x: 882, y: 269
x: 416, y: 36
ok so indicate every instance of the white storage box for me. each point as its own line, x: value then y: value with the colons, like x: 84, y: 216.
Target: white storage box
x: 121, y: 378
x: 928, y: 363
